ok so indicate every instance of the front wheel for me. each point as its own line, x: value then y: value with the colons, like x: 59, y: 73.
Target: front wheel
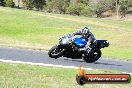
x: 93, y: 56
x: 55, y: 52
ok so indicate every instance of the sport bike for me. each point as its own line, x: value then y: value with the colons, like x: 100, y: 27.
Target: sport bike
x: 70, y: 46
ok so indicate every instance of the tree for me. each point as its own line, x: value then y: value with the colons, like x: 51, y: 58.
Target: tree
x: 65, y: 6
x: 57, y: 6
x: 130, y: 3
x: 87, y: 11
x: 124, y: 5
x: 86, y: 2
x: 49, y: 6
x: 121, y: 7
x: 74, y: 9
x: 9, y: 3
x: 101, y: 6
x: 28, y: 4
x: 2, y: 3
x: 80, y: 9
x: 39, y: 4
x: 117, y: 8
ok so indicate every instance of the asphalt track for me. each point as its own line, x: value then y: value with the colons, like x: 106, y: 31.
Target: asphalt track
x: 42, y: 57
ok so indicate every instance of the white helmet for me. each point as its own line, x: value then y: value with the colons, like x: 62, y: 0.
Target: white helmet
x: 85, y: 30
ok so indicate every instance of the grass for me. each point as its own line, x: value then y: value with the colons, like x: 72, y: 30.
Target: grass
x: 28, y: 76
x: 39, y: 30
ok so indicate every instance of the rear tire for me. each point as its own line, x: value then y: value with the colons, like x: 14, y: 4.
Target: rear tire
x: 94, y: 56
x: 55, y: 52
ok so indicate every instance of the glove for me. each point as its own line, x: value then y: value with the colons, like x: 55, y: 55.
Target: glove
x: 71, y: 37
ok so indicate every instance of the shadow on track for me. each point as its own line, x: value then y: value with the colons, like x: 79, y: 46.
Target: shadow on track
x: 101, y: 63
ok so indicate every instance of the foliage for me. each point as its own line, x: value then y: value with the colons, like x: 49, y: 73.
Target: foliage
x: 66, y: 5
x: 9, y: 3
x: 101, y: 6
x: 57, y: 6
x: 124, y: 5
x: 39, y: 4
x: 28, y: 4
x: 86, y: 2
x: 79, y: 7
x: 2, y: 3
x: 49, y: 6
x: 74, y: 9
x: 87, y: 11
x: 130, y: 3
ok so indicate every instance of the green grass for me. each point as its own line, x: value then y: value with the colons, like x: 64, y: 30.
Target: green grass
x: 39, y: 30
x: 28, y: 76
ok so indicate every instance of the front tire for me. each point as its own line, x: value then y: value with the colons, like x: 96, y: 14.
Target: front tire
x: 93, y: 56
x: 55, y: 52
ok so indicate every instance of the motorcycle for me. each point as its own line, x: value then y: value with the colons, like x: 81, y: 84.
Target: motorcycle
x: 69, y: 46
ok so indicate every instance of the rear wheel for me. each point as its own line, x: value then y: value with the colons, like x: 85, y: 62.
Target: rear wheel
x: 55, y: 52
x: 93, y: 56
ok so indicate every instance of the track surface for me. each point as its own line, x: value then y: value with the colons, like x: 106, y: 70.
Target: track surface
x: 42, y: 57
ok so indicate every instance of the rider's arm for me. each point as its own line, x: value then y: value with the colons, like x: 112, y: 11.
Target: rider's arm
x: 91, y: 36
x: 77, y: 33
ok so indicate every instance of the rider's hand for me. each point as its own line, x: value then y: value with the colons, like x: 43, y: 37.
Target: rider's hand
x: 72, y: 38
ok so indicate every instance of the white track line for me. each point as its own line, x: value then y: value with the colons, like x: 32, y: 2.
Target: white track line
x: 41, y: 64
x: 48, y: 65
x: 126, y: 72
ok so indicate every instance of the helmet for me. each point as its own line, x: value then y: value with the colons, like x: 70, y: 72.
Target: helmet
x: 85, y: 30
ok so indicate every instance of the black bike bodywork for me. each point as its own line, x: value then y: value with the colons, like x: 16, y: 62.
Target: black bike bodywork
x: 69, y: 47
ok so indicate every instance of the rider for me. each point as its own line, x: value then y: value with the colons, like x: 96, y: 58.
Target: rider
x: 88, y: 36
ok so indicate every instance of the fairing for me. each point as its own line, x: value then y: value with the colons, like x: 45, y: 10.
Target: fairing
x: 80, y: 42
